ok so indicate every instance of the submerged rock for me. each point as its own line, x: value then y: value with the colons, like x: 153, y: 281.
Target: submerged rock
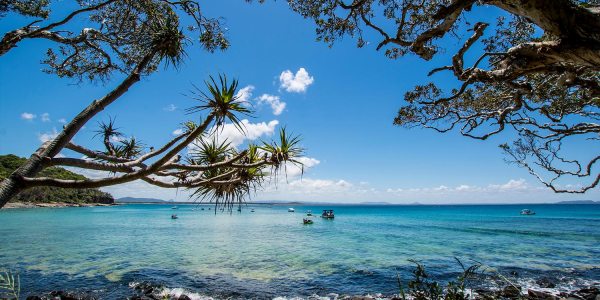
x: 533, y: 294
x: 546, y: 282
x: 511, y: 291
x: 184, y: 297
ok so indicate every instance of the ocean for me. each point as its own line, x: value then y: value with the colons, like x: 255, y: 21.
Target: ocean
x: 269, y: 253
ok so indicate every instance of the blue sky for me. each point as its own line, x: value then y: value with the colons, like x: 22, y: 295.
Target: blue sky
x: 342, y: 100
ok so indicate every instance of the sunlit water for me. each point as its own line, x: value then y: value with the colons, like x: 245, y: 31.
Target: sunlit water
x: 270, y: 253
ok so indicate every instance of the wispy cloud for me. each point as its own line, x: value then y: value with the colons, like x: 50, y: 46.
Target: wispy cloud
x: 28, y: 116
x: 177, y: 131
x: 274, y: 101
x: 62, y: 121
x: 244, y: 94
x: 170, y: 107
x: 45, y: 117
x: 295, y: 83
x: 47, y: 136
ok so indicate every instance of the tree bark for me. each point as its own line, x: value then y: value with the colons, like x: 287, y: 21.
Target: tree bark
x: 13, y: 184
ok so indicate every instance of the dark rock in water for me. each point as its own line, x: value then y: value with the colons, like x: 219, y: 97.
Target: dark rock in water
x: 33, y: 298
x: 141, y: 298
x: 511, y: 291
x: 184, y: 297
x: 546, y: 282
x: 485, y: 294
x: 62, y: 295
x: 540, y: 295
x: 587, y: 293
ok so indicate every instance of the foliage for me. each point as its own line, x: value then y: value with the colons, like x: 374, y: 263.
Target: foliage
x: 538, y: 72
x: 287, y: 149
x: 8, y: 163
x: 118, y: 34
x: 221, y: 100
x: 422, y: 287
x: 10, y: 288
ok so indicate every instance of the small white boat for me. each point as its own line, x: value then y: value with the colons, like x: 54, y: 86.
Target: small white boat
x: 174, y: 207
x: 291, y: 209
x: 309, y: 213
x: 528, y: 212
x: 252, y: 210
x: 328, y: 214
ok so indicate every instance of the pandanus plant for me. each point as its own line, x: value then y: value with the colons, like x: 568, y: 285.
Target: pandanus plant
x: 222, y: 101
x: 287, y: 149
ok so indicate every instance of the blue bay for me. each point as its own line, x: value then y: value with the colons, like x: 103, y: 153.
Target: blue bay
x: 270, y: 253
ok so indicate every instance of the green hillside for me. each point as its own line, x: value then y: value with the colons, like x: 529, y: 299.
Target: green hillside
x: 10, y: 162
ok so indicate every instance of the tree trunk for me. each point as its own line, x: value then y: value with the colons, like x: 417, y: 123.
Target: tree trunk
x: 12, y: 185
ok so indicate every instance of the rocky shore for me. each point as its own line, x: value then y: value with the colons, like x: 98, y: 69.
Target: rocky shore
x: 53, y: 204
x: 148, y: 291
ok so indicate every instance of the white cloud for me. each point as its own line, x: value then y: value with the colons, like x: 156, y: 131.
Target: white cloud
x: 315, y: 185
x: 297, y: 83
x: 47, y: 136
x: 463, y: 187
x: 274, y: 101
x: 244, y: 94
x: 45, y: 117
x: 62, y: 120
x: 117, y: 139
x: 28, y: 116
x: 233, y: 135
x: 170, y: 107
x: 294, y: 170
x: 177, y: 131
x: 441, y: 188
x: 512, y: 185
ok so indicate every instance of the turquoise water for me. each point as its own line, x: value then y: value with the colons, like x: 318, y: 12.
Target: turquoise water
x: 270, y: 252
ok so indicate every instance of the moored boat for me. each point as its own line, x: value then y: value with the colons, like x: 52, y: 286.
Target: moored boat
x: 291, y: 209
x: 328, y: 214
x: 306, y: 221
x: 528, y: 212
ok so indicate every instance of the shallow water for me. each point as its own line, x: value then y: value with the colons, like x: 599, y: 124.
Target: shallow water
x: 270, y: 253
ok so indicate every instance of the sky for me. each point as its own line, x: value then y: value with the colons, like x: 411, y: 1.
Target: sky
x: 341, y: 100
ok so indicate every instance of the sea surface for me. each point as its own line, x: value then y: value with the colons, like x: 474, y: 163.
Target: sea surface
x: 269, y: 253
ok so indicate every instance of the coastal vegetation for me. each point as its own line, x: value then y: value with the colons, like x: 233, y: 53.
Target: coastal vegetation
x: 133, y: 39
x: 10, y: 285
x: 44, y: 194
x: 536, y: 72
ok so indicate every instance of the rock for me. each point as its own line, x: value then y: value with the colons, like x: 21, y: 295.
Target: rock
x: 540, y: 295
x: 588, y: 293
x: 546, y: 282
x: 483, y: 294
x: 33, y: 298
x: 511, y: 291
x: 184, y: 297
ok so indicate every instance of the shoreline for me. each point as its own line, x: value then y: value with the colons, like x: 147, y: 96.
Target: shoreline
x: 15, y: 205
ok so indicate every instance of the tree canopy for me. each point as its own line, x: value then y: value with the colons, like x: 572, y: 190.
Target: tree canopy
x: 134, y: 38
x: 535, y: 71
